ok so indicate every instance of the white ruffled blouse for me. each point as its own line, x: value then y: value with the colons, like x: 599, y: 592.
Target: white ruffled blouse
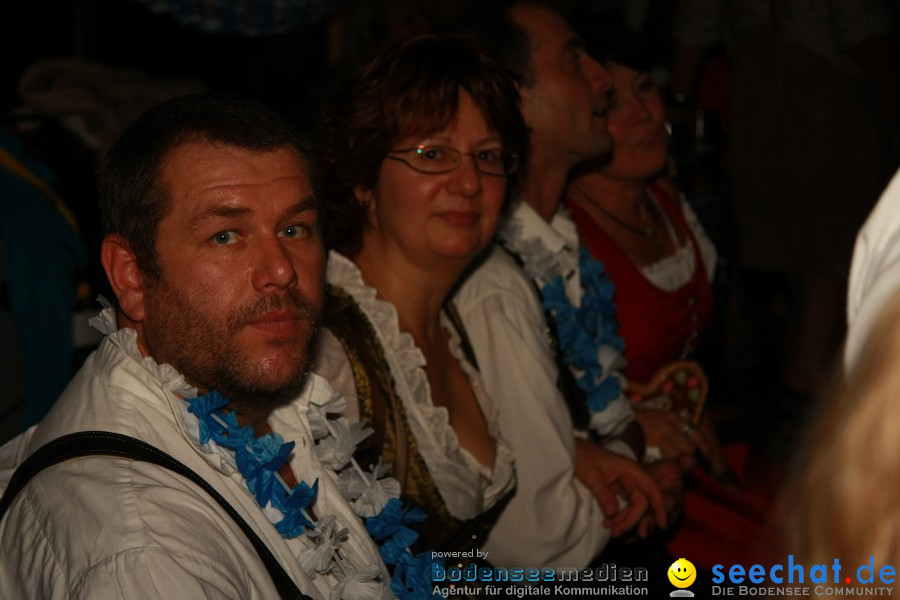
x: 468, y: 487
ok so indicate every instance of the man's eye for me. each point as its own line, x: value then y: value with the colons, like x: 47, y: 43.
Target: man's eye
x: 645, y: 84
x: 295, y: 231
x: 574, y: 58
x: 224, y: 238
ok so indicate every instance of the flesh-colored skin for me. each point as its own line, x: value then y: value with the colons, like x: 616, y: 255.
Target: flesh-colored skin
x: 241, y: 266
x: 423, y: 230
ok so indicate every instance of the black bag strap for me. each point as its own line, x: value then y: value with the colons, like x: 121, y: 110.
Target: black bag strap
x: 88, y: 443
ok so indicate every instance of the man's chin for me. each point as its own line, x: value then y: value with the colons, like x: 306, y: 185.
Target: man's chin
x: 263, y: 395
x: 275, y: 380
x: 261, y: 375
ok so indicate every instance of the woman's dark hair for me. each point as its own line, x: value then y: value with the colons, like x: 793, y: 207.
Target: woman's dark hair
x: 491, y: 28
x: 412, y: 90
x: 618, y: 45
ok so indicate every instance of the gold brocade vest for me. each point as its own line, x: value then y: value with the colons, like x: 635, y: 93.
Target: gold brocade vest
x: 392, y: 440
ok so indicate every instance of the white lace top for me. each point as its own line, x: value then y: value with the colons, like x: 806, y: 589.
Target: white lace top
x: 467, y: 487
x: 676, y: 270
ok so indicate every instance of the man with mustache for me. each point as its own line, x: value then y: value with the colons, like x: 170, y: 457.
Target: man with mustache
x: 214, y: 254
x: 576, y: 489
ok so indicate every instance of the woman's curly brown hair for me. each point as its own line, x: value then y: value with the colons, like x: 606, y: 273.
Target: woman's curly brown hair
x: 411, y: 90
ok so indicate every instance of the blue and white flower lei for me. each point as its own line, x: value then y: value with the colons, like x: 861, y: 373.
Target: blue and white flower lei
x: 373, y: 496
x: 588, y: 333
x: 258, y: 459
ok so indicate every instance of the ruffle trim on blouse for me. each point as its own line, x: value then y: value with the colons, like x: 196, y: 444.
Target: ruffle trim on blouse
x: 384, y: 318
x: 502, y: 475
x: 409, y: 359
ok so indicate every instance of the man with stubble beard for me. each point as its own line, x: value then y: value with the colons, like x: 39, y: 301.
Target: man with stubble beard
x: 214, y: 254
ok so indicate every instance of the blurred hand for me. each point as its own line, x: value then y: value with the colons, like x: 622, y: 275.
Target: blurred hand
x: 667, y: 475
x: 608, y: 475
x: 666, y: 430
x: 675, y: 440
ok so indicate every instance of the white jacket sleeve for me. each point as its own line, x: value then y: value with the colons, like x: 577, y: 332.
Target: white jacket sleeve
x: 553, y: 520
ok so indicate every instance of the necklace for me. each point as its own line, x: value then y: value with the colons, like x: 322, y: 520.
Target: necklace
x: 648, y: 232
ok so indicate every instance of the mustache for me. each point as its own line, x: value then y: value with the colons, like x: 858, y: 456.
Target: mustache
x: 291, y: 300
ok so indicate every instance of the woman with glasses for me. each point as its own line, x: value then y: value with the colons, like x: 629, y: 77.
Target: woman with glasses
x: 419, y: 156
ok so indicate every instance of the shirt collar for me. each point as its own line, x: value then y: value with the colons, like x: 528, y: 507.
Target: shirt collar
x: 559, y: 235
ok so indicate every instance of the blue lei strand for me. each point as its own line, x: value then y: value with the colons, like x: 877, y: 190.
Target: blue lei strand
x: 259, y: 459
x: 584, y: 330
x: 411, y: 579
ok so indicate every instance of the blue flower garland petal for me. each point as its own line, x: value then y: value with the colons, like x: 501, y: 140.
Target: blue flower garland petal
x: 414, y: 515
x: 388, y: 521
x: 258, y: 460
x: 302, y: 495
x: 412, y: 576
x: 395, y: 546
x: 584, y: 330
x: 392, y: 519
x: 277, y: 451
x: 293, y: 524
x: 203, y: 406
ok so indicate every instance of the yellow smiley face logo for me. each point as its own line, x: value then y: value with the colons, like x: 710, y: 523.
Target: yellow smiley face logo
x: 682, y: 573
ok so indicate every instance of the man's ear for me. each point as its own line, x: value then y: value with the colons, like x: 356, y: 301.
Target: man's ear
x: 124, y: 276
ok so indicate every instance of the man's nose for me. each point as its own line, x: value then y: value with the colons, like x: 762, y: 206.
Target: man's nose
x: 598, y: 75
x: 274, y: 267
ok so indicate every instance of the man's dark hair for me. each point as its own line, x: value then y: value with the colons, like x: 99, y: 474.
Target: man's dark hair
x: 410, y: 91
x: 133, y: 199
x: 489, y: 26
